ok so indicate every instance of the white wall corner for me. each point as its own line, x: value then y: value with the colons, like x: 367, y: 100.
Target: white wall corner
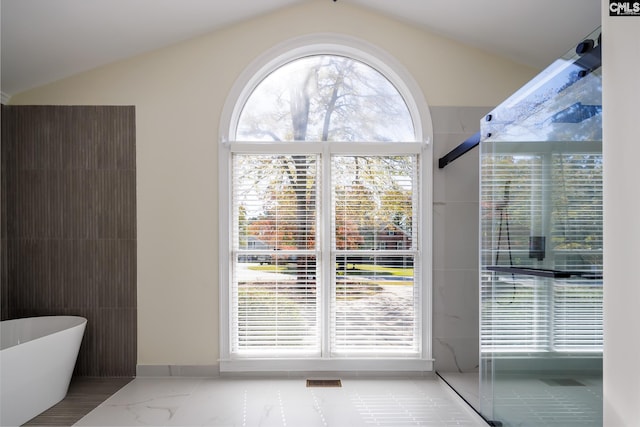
x: 4, y: 97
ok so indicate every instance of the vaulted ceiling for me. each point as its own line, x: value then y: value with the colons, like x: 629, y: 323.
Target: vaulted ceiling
x: 46, y: 40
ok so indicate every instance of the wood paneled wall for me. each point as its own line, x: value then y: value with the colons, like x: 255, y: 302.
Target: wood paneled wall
x: 69, y: 225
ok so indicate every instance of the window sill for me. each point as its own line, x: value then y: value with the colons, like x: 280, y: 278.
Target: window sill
x: 387, y: 365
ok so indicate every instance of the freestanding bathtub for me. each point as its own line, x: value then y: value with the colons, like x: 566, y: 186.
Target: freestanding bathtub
x: 37, y: 357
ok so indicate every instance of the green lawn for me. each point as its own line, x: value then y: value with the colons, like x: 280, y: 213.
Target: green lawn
x: 372, y: 268
x: 394, y: 271
x: 271, y: 268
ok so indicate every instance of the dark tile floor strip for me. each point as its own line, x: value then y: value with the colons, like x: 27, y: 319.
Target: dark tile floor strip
x: 84, y: 395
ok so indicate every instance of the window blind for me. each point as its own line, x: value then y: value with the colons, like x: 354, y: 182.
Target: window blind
x: 374, y: 306
x: 542, y: 194
x: 515, y: 315
x: 577, y: 308
x: 577, y: 242
x: 274, y: 274
x: 515, y: 308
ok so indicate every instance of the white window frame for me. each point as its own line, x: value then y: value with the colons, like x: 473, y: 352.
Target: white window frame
x: 418, y: 108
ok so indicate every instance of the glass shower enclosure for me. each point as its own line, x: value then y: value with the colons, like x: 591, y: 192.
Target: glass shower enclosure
x: 541, y: 248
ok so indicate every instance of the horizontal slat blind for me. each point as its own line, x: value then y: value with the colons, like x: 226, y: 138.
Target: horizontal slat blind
x: 558, y: 195
x: 515, y: 315
x: 511, y: 197
x: 274, y: 289
x: 577, y: 242
x: 374, y: 249
x: 515, y: 309
x: 577, y: 309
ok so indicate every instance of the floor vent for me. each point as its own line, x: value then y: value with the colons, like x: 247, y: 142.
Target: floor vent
x: 563, y: 382
x: 324, y: 383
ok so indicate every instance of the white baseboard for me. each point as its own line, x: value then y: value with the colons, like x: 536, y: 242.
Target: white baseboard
x: 291, y: 367
x: 177, y: 371
x: 364, y: 366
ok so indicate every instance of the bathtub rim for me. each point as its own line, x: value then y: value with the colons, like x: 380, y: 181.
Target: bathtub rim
x: 43, y: 326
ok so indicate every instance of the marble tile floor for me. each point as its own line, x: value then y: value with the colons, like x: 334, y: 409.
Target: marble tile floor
x: 548, y: 400
x: 466, y: 384
x: 224, y: 401
x: 535, y: 399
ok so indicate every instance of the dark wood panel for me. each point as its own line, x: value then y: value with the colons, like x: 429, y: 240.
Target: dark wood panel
x: 69, y: 225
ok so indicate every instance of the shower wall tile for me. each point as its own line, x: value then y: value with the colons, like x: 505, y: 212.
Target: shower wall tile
x: 69, y: 225
x: 457, y: 315
x: 455, y: 241
x: 456, y: 354
x: 461, y: 177
x: 461, y: 233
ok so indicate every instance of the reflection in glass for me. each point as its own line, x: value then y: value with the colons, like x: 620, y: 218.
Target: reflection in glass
x: 541, y: 249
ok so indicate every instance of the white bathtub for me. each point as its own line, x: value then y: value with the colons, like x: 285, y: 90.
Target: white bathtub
x: 37, y: 357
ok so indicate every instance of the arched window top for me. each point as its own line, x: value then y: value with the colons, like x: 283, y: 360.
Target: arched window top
x: 325, y: 97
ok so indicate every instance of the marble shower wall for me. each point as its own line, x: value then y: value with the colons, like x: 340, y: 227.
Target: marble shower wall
x: 455, y: 241
x: 69, y: 225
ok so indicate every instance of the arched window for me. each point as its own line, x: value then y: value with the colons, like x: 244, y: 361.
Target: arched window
x: 325, y: 98
x: 323, y: 220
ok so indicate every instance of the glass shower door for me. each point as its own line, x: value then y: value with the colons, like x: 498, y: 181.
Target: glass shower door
x: 541, y: 249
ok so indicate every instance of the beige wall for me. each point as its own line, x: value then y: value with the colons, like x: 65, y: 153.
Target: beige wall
x: 179, y: 93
